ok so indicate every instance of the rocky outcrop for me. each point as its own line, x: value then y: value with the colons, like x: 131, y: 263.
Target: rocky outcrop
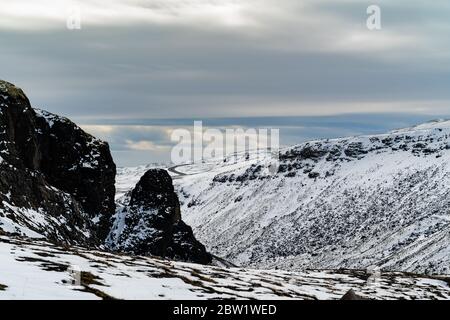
x: 56, y: 180
x: 80, y: 165
x: 149, y: 223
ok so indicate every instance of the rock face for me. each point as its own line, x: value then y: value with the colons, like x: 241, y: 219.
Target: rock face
x: 56, y: 180
x: 149, y: 222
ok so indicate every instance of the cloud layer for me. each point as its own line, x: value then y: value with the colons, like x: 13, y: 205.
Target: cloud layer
x: 156, y: 59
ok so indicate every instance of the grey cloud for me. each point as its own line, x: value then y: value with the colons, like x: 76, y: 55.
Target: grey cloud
x: 284, y: 58
x: 79, y: 79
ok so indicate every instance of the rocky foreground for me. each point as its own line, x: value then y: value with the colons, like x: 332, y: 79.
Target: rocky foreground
x: 40, y: 270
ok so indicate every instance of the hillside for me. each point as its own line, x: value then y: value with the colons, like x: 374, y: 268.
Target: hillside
x: 349, y: 202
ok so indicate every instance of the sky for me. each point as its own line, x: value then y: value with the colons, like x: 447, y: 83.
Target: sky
x: 138, y: 69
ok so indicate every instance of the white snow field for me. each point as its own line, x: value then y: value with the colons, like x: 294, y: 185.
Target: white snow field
x: 339, y: 203
x: 34, y: 269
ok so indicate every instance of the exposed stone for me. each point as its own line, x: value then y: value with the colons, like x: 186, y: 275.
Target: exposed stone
x: 55, y: 178
x: 152, y: 222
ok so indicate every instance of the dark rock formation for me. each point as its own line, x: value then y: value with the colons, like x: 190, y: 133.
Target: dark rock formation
x: 81, y: 165
x: 150, y: 223
x: 56, y: 180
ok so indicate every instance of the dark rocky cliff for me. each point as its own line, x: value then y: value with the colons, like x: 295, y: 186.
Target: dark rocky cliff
x: 56, y: 180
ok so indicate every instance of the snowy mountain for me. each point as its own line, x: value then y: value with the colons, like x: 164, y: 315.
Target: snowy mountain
x: 331, y: 208
x: 31, y: 269
x: 349, y: 202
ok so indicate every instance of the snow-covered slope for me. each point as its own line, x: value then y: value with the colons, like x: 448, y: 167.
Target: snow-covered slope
x: 39, y: 270
x: 350, y: 202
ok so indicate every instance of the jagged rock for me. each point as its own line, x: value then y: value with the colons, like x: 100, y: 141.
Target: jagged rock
x: 308, y: 152
x: 150, y: 222
x: 56, y: 180
x: 355, y: 150
x: 351, y: 295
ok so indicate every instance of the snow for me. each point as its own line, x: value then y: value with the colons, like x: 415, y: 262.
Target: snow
x: 25, y: 281
x: 33, y: 269
x: 378, y: 200
x: 49, y: 117
x: 36, y: 217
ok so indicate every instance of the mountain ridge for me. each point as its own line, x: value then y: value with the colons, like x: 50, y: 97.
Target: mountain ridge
x: 347, y: 202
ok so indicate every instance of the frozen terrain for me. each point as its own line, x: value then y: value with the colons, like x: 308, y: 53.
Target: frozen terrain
x: 341, y: 203
x: 32, y: 269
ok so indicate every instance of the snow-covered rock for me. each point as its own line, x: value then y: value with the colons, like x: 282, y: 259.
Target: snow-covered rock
x: 148, y: 222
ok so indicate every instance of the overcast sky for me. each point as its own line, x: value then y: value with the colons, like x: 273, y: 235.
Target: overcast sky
x: 134, y: 61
